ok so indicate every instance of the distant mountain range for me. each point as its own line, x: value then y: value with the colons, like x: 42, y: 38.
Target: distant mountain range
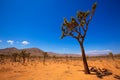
x: 38, y: 52
x: 33, y: 51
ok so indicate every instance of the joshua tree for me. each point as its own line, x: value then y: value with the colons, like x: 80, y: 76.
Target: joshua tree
x: 23, y: 55
x: 39, y: 57
x: 19, y: 57
x: 44, y: 57
x: 28, y: 56
x: 14, y: 56
x: 66, y: 57
x: 2, y: 57
x: 71, y: 58
x: 77, y: 29
x: 111, y: 55
x: 54, y: 57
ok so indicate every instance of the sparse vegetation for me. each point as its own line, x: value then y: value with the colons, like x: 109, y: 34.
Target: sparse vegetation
x: 58, y: 63
x: 10, y: 64
x: 2, y: 57
x: 14, y: 57
x: 45, y: 55
x: 111, y: 55
x: 28, y: 57
x: 24, y: 55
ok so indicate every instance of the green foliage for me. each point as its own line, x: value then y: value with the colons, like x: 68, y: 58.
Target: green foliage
x: 81, y: 15
x: 94, y: 7
x: 78, y: 25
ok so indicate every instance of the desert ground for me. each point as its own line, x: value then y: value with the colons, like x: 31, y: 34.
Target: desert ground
x: 59, y: 70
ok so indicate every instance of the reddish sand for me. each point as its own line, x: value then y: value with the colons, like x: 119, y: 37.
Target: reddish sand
x: 72, y: 70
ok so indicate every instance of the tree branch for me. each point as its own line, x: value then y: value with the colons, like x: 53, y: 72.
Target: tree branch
x: 87, y: 23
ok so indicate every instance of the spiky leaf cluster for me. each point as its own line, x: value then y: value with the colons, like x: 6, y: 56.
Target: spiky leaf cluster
x: 77, y: 27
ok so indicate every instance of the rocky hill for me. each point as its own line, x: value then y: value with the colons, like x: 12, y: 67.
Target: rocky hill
x: 33, y: 51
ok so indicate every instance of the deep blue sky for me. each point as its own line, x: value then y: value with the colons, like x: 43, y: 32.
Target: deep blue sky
x: 38, y: 22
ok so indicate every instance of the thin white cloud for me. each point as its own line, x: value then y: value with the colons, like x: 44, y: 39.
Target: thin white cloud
x: 25, y: 42
x: 95, y: 52
x: 0, y: 41
x: 65, y: 49
x: 10, y: 42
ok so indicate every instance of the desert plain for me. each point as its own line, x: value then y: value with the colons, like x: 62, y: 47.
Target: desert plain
x: 55, y: 69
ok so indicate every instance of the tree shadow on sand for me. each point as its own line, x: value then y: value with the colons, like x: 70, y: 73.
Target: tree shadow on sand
x: 100, y: 72
x: 117, y: 77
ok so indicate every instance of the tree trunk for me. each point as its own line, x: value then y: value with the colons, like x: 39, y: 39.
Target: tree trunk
x: 28, y: 59
x: 23, y: 60
x: 84, y: 59
x: 44, y: 60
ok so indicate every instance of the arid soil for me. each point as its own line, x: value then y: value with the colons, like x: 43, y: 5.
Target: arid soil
x: 58, y: 70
